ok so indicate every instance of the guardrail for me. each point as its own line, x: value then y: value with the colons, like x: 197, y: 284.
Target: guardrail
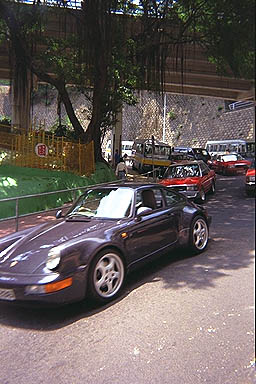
x: 17, y: 199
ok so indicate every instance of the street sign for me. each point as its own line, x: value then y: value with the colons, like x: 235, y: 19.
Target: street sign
x: 41, y: 150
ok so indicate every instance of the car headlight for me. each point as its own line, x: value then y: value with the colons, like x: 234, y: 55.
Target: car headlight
x: 53, y: 258
x: 251, y: 178
x: 192, y: 188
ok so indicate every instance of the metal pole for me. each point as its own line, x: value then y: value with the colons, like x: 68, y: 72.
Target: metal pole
x: 17, y: 214
x: 164, y: 122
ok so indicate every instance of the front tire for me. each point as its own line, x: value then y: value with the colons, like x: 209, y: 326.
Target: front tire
x: 199, y: 235
x: 106, y: 276
x: 213, y: 188
x: 202, y: 196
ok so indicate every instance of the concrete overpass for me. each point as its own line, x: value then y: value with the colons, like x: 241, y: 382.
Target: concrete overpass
x: 195, y: 77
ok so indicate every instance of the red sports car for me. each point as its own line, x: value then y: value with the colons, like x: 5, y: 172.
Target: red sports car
x: 194, y: 179
x: 250, y: 180
x: 230, y: 164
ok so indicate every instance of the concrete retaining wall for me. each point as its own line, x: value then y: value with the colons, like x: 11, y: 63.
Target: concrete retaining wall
x: 189, y: 120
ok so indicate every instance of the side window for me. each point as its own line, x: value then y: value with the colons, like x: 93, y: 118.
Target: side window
x: 171, y: 198
x: 159, y: 198
x: 151, y: 198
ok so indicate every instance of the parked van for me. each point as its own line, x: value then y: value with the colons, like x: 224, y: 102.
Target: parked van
x: 196, y: 153
x: 147, y: 155
x: 126, y: 149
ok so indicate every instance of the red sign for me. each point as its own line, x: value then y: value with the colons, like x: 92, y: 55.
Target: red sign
x: 41, y: 150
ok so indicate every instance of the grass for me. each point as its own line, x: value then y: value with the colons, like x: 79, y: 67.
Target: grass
x: 20, y: 181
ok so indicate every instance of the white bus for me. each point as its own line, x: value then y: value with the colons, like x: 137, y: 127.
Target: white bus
x: 244, y: 147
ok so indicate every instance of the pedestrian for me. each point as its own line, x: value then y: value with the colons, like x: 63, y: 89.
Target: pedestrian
x: 116, y: 158
x: 121, y: 169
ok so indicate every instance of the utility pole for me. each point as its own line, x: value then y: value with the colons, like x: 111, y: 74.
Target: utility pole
x: 164, y: 122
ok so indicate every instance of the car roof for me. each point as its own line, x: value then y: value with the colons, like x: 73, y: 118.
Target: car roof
x: 174, y: 153
x: 187, y: 162
x: 127, y: 184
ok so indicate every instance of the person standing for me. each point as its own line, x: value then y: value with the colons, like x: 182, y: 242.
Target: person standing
x: 121, y: 169
x: 116, y: 158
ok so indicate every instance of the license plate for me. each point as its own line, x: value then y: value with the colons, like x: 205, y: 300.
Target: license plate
x: 7, y: 294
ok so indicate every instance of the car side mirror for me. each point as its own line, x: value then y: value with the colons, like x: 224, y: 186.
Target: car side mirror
x: 143, y: 210
x: 58, y: 214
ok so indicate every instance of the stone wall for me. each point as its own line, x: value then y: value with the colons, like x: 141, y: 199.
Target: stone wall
x: 189, y: 120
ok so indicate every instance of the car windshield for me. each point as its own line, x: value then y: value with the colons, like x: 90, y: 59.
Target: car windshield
x: 112, y: 203
x: 234, y: 157
x: 179, y: 171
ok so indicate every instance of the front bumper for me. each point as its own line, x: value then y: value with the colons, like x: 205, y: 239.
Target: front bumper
x: 13, y: 289
x: 250, y: 186
x: 192, y: 195
x: 235, y: 171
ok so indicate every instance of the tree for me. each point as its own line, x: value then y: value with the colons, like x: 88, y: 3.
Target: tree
x: 117, y: 46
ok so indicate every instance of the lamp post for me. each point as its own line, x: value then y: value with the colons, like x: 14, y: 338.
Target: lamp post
x: 164, y: 122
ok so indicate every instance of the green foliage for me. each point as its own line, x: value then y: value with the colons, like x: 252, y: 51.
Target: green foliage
x: 5, y: 120
x: 29, y: 181
x: 227, y: 30
x: 64, y: 130
x: 171, y: 115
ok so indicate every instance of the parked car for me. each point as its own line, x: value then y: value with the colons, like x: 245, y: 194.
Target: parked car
x: 88, y: 251
x: 196, y: 153
x: 194, y: 179
x: 177, y: 157
x: 230, y: 164
x: 250, y: 180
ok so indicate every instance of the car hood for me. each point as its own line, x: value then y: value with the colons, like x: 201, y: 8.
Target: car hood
x: 181, y: 181
x: 28, y: 253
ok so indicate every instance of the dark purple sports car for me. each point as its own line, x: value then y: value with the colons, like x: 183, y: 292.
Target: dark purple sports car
x: 88, y: 251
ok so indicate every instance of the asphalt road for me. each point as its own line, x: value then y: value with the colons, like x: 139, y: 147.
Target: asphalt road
x: 180, y: 320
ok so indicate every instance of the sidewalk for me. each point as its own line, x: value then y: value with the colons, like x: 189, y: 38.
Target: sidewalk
x: 9, y: 226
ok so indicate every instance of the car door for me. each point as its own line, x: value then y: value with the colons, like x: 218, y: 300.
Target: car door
x: 151, y: 232
x: 218, y: 163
